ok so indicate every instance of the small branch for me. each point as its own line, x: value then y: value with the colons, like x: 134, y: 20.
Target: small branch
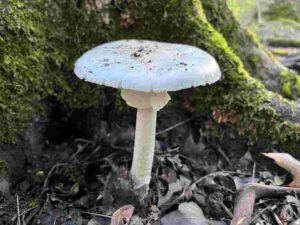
x: 49, y: 175
x: 126, y: 149
x: 18, y: 210
x: 261, y: 212
x: 176, y: 125
x: 276, y: 218
x: 253, y: 172
x: 94, y: 152
x: 224, y: 156
x: 33, y: 211
x: 167, y: 151
x: 227, y: 211
x: 249, y: 193
x: 28, y: 210
x: 80, y: 149
x: 97, y: 214
x: 213, y: 175
x: 84, y: 140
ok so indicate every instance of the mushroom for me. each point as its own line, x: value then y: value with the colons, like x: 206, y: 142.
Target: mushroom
x: 145, y: 71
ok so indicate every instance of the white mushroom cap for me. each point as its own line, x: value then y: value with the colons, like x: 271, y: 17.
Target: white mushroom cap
x: 147, y: 66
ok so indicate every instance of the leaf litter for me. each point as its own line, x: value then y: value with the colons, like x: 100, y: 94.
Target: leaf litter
x: 93, y: 186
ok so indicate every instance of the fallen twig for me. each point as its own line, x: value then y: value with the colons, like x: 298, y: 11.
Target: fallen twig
x: 84, y: 140
x: 176, y: 125
x: 49, y: 175
x: 276, y: 218
x: 28, y: 210
x: 226, y: 210
x: 93, y: 152
x: 80, y: 149
x: 167, y: 151
x: 97, y: 214
x: 33, y: 211
x: 224, y: 156
x: 261, y: 212
x: 253, y: 172
x: 18, y: 210
x: 126, y: 149
x: 224, y: 173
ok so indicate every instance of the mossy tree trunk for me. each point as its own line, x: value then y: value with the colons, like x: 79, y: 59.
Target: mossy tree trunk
x: 240, y: 100
x: 258, y: 61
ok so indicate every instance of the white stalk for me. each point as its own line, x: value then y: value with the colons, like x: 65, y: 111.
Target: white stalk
x: 147, y: 105
x: 143, y: 147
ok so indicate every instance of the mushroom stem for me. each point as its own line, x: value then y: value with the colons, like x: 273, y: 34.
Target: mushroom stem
x: 147, y: 105
x: 143, y: 147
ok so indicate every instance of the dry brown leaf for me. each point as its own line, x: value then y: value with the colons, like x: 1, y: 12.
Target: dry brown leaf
x: 122, y: 215
x: 289, y: 163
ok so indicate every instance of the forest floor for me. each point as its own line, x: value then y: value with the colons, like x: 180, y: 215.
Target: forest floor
x: 84, y: 182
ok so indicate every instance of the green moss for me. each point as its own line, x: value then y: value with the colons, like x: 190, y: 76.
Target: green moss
x: 33, y: 203
x: 35, y: 63
x: 21, y: 65
x: 287, y: 90
x: 297, y: 84
x: 290, y: 84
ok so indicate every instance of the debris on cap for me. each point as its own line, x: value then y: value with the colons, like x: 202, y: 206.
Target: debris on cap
x: 147, y: 66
